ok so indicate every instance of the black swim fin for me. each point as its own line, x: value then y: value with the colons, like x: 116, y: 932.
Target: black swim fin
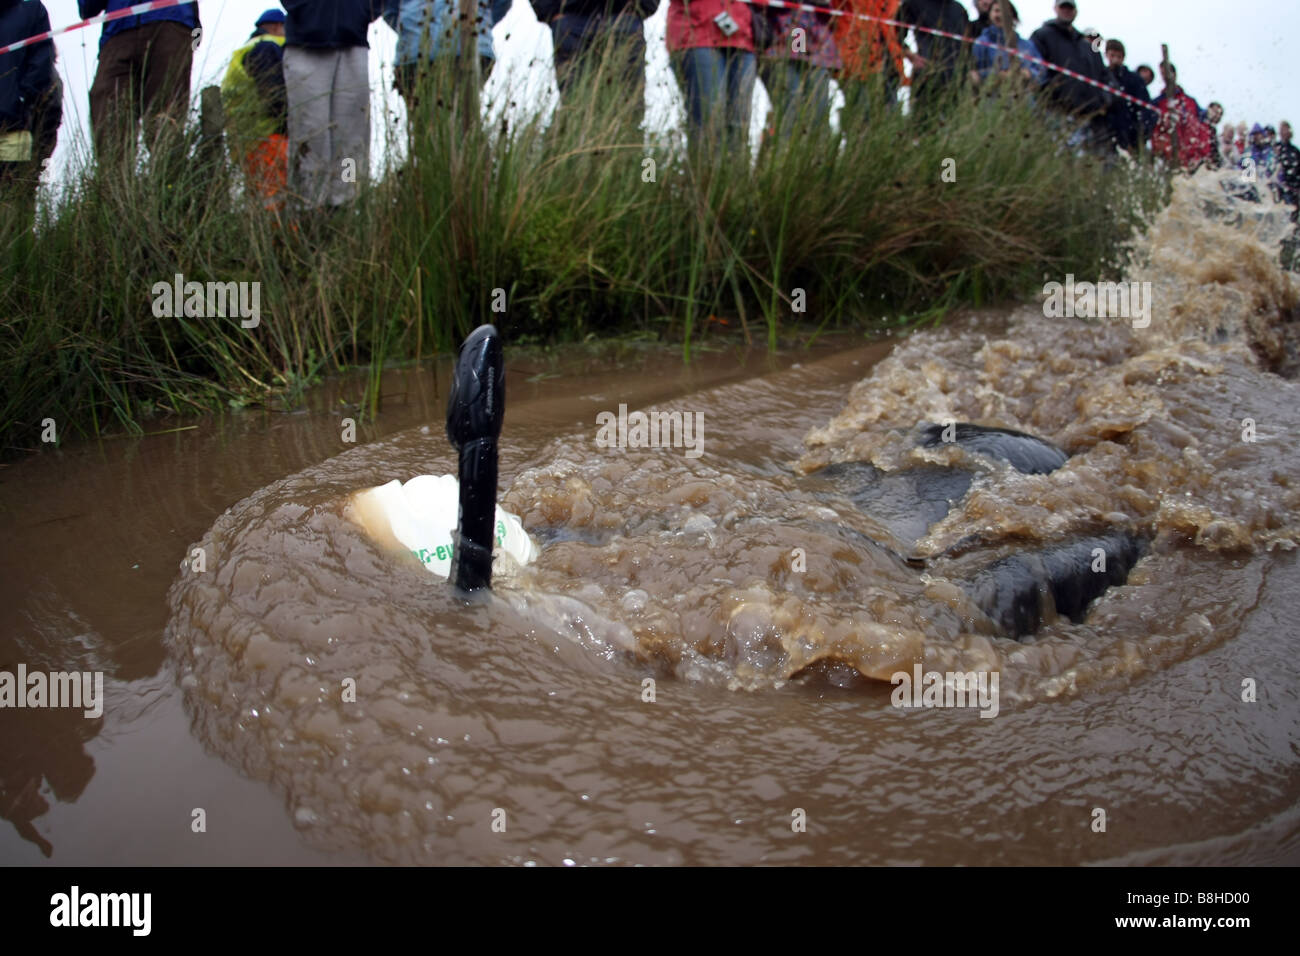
x: 1023, y: 452
x: 476, y: 409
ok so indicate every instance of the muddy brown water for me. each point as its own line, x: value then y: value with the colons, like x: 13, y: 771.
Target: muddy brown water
x: 771, y: 691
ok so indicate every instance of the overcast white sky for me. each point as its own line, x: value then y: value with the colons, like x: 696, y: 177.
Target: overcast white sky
x: 1238, y: 53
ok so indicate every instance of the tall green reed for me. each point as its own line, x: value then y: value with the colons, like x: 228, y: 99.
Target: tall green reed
x: 552, y: 227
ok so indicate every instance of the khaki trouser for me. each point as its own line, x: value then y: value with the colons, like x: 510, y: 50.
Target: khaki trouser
x: 329, y: 123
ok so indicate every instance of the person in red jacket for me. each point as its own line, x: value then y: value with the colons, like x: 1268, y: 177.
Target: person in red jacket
x: 711, y: 47
x: 1180, y: 136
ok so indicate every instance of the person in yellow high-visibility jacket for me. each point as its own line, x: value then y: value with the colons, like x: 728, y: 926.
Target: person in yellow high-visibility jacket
x: 256, y: 109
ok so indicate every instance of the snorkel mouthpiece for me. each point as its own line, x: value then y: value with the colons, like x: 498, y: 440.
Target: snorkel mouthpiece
x: 475, y: 412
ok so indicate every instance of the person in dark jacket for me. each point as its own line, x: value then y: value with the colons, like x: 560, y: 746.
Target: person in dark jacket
x: 1130, y: 124
x: 938, y: 61
x: 1288, y: 164
x: 1213, y: 116
x: 711, y: 48
x: 327, y: 86
x: 143, y: 73
x: 48, y: 117
x: 1062, y: 45
x: 983, y: 18
x: 26, y: 78
x: 585, y: 33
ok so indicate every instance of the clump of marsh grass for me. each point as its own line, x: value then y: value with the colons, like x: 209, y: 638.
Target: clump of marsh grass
x: 553, y: 228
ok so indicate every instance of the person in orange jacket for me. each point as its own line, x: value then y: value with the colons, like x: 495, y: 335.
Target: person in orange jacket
x: 872, y: 54
x: 256, y: 110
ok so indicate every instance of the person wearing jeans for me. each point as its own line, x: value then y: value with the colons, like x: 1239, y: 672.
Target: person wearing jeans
x: 428, y: 32
x: 796, y: 68
x: 711, y: 47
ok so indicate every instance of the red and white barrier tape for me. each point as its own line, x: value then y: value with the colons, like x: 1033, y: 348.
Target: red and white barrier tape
x: 140, y: 8
x: 132, y: 11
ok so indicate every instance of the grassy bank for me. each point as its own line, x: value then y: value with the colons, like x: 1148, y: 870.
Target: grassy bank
x: 577, y: 228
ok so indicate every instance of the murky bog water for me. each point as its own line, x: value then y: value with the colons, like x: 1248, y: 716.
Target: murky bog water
x: 699, y: 666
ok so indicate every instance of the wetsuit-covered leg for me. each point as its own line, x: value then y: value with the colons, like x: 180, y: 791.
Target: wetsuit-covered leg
x: 1020, y: 591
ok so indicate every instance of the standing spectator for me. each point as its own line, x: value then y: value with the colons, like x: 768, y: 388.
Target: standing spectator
x: 937, y: 61
x: 1093, y: 36
x: 429, y: 30
x: 989, y: 60
x: 1147, y: 75
x: 1064, y: 46
x: 1288, y: 164
x: 795, y: 67
x: 1263, y: 152
x: 47, y: 118
x: 585, y: 33
x: 1179, y: 137
x: 984, y: 17
x: 26, y: 78
x: 1130, y: 124
x: 711, y: 47
x: 1214, y: 113
x: 144, y: 60
x: 872, y: 55
x: 1228, y: 151
x: 327, y: 85
x: 256, y: 112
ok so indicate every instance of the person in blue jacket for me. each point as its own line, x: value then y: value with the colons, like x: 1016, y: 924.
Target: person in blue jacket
x: 27, y: 80
x: 989, y: 61
x: 143, y: 73
x: 429, y: 30
x: 327, y: 87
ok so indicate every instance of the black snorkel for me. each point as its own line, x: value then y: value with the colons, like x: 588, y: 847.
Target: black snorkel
x: 475, y: 410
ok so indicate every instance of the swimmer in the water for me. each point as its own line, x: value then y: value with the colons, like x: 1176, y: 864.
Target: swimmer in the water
x: 459, y: 520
